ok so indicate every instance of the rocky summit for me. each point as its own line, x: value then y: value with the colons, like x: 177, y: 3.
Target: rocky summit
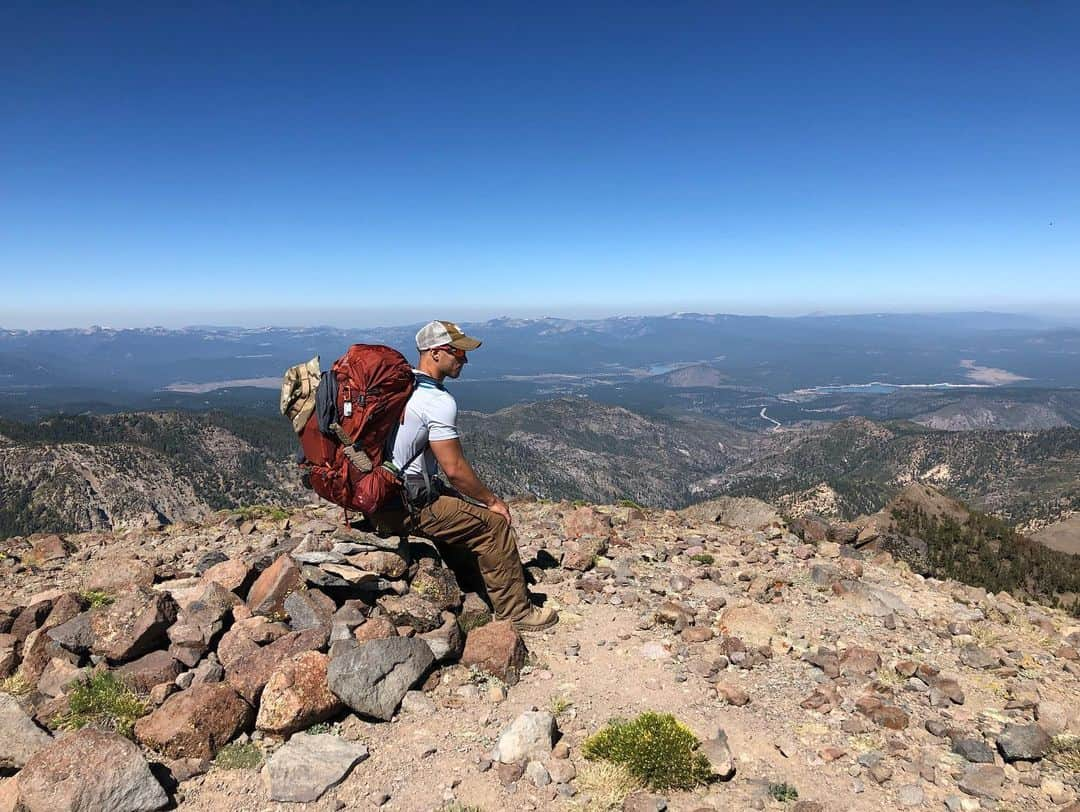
x: 269, y: 661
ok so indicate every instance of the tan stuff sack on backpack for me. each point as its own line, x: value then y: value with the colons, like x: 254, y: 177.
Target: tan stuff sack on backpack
x: 298, y: 392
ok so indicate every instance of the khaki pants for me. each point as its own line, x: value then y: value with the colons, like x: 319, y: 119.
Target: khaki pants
x: 473, y: 541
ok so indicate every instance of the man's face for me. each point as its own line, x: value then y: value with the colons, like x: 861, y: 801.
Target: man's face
x: 450, y: 360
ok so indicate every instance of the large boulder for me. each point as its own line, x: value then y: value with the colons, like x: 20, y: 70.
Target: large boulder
x: 372, y: 677
x: 234, y: 574
x: 90, y: 771
x: 115, y: 574
x: 195, y: 723
x: 296, y: 696
x: 250, y: 673
x: 308, y: 765
x: 268, y: 593
x: 21, y: 738
x: 133, y: 625
x: 497, y: 649
x: 149, y: 670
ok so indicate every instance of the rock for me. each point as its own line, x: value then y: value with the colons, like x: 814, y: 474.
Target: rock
x: 509, y: 773
x: 753, y: 624
x: 910, y: 795
x: 21, y: 738
x: 417, y: 703
x: 474, y: 612
x: 1027, y: 742
x: 974, y: 750
x: 75, y: 635
x: 149, y: 670
x: 133, y: 625
x: 30, y: 619
x: 208, y: 671
x: 37, y: 651
x: 9, y: 657
x: 858, y: 661
x: 58, y: 676
x: 438, y: 586
x: 983, y: 781
x: 717, y: 751
x: 376, y: 628
x: 976, y: 657
x: 115, y: 575
x: 267, y: 595
x: 235, y: 575
x: 537, y: 774
x: 529, y: 737
x: 308, y: 765
x: 411, y: 610
x: 642, y: 801
x: 497, y: 649
x: 199, y: 624
x: 67, y: 776
x: 296, y: 696
x: 446, y: 642
x: 882, y: 713
x: 372, y: 677
x: 308, y: 608
x: 561, y: 770
x: 732, y: 694
x: 696, y: 634
x: 250, y: 673
x: 50, y: 548
x: 381, y: 562
x: 195, y: 723
x: 585, y: 521
x: 1053, y: 717
x: 234, y: 645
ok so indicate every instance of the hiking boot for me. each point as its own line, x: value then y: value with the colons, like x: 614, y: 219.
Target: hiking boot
x: 537, y: 620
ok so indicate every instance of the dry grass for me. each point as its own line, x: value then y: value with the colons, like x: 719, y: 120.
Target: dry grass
x: 16, y: 685
x: 1065, y: 752
x: 607, y: 784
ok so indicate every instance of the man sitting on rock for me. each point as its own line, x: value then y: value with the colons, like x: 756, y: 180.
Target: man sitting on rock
x: 451, y: 515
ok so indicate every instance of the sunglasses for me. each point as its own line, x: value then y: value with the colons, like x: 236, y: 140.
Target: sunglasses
x: 454, y: 351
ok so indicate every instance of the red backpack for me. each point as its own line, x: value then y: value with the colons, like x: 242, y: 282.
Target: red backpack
x: 358, y: 405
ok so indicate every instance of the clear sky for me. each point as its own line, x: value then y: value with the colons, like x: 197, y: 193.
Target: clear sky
x: 355, y: 164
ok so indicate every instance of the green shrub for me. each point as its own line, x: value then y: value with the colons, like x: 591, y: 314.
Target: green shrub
x: 97, y: 597
x: 239, y: 756
x: 656, y: 747
x: 783, y: 792
x: 703, y: 558
x: 102, y: 701
x: 630, y: 503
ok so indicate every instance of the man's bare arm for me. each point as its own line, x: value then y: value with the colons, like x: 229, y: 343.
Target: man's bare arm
x: 452, y: 461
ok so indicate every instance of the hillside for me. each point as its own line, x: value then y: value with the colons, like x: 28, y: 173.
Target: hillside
x: 76, y: 473
x: 1017, y: 476
x: 818, y: 676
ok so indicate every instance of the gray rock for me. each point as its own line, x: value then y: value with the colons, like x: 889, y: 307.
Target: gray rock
x: 976, y: 657
x: 537, y: 774
x: 446, y: 642
x: 307, y: 766
x: 983, y: 781
x: 89, y: 771
x: 21, y: 738
x: 319, y: 557
x: 529, y: 737
x: 974, y: 750
x: 1028, y: 742
x: 372, y: 677
x: 910, y: 795
x: 718, y: 752
x: 75, y: 635
x: 308, y: 608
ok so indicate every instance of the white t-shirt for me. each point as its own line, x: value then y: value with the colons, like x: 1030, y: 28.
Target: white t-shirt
x: 430, y: 414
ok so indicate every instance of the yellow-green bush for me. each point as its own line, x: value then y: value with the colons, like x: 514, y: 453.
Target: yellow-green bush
x: 656, y: 747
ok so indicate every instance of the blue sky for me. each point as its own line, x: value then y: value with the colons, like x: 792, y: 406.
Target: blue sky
x: 320, y: 163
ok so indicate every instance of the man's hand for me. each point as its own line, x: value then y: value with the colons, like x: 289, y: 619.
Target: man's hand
x: 500, y: 507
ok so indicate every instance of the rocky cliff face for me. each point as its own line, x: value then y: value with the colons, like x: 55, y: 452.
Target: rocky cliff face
x: 807, y: 668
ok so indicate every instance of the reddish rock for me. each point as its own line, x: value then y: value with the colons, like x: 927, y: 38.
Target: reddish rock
x: 64, y: 609
x: 115, y: 575
x: 732, y: 694
x: 58, y: 676
x: 824, y: 699
x: 195, y: 723
x: 375, y: 628
x: 586, y: 521
x: 250, y: 673
x: 234, y: 575
x: 296, y: 696
x: 268, y: 593
x: 881, y: 713
x: 697, y: 634
x: 149, y: 670
x: 859, y: 662
x: 381, y: 562
x: 949, y: 686
x: 132, y: 626
x: 200, y: 622
x: 49, y: 548
x: 581, y: 555
x: 68, y: 776
x: 411, y: 610
x: 37, y: 650
x: 9, y: 655
x: 30, y: 619
x: 497, y: 649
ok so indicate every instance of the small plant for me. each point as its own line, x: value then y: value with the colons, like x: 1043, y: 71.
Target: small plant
x: 703, y: 558
x: 16, y: 685
x: 457, y: 806
x: 783, y: 792
x: 656, y: 747
x: 1065, y: 752
x: 239, y: 756
x: 251, y: 512
x: 96, y: 598
x: 606, y: 784
x: 560, y: 705
x: 630, y: 503
x: 102, y: 701
x: 324, y: 727
x: 470, y: 622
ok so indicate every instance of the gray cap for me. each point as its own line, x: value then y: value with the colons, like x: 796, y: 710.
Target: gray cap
x: 442, y: 334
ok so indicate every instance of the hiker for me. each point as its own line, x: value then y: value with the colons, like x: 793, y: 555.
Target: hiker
x: 469, y: 524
